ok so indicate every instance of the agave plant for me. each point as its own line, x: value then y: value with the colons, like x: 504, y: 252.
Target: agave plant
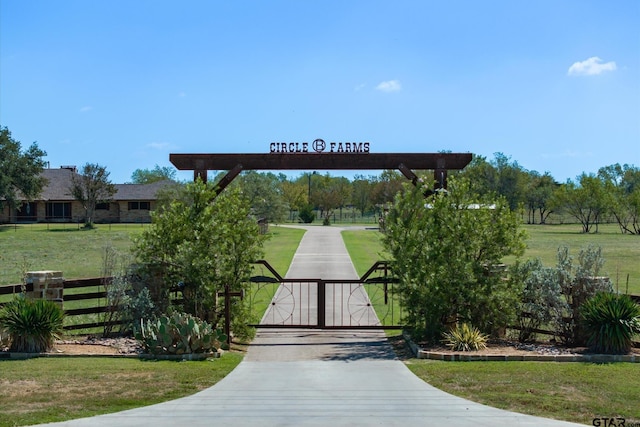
x: 465, y: 338
x: 31, y: 325
x: 178, y: 333
x: 610, y: 321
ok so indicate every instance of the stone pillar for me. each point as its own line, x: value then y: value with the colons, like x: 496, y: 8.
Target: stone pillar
x: 47, y: 285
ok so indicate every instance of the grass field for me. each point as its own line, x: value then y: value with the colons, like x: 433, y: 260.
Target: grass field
x: 62, y: 247
x: 577, y: 392
x: 45, y: 390
x: 78, y: 253
x: 621, y: 252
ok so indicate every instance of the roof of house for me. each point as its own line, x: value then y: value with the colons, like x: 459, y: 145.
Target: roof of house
x: 59, y: 184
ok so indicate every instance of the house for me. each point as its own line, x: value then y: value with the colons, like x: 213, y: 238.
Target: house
x: 130, y: 203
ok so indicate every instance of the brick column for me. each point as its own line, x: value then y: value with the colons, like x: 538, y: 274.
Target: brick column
x: 47, y: 285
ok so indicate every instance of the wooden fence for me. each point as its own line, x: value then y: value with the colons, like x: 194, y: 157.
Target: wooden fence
x: 96, y: 303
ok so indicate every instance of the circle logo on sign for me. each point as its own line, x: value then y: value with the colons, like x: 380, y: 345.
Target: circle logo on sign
x: 319, y: 145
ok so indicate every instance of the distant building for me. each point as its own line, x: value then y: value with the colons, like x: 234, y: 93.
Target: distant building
x: 130, y: 203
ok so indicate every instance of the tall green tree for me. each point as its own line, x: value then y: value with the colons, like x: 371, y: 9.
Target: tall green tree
x: 445, y: 249
x: 295, y: 194
x: 90, y: 187
x: 587, y: 200
x: 265, y: 195
x: 622, y: 183
x: 538, y: 195
x: 20, y: 172
x: 158, y: 173
x: 499, y: 177
x: 204, y: 242
x: 362, y: 193
x: 388, y: 184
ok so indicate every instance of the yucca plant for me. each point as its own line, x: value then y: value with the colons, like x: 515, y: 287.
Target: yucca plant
x: 465, y: 338
x: 32, y: 325
x: 610, y: 321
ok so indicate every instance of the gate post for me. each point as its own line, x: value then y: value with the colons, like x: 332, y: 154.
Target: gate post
x: 322, y: 296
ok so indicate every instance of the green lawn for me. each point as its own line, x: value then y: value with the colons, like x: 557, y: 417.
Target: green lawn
x: 46, y: 390
x: 62, y: 247
x: 577, y: 392
x: 78, y: 253
x: 621, y: 252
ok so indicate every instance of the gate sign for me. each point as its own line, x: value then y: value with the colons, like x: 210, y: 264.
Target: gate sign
x: 319, y: 146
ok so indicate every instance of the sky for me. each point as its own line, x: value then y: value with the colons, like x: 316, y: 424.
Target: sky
x: 552, y: 84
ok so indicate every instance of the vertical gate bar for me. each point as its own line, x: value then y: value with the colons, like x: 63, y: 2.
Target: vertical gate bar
x: 321, y: 304
x: 333, y: 314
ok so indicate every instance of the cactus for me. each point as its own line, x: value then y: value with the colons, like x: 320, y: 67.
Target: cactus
x: 179, y: 333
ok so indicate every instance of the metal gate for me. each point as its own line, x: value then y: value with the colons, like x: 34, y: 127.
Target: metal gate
x: 365, y: 303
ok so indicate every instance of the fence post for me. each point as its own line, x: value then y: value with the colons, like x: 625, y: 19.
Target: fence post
x: 47, y: 285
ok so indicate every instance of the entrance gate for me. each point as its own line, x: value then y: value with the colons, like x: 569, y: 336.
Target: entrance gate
x: 365, y: 303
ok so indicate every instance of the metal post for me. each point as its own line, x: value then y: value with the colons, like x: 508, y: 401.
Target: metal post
x: 322, y: 296
x: 227, y: 314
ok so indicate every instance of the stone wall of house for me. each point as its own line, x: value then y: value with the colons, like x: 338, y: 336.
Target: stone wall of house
x: 110, y: 215
x: 136, y: 215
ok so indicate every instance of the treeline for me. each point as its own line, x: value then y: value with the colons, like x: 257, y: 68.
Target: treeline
x: 610, y: 195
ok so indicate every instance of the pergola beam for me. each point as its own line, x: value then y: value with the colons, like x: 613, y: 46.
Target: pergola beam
x: 321, y: 161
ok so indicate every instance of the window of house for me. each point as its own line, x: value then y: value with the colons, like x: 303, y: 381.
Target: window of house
x: 28, y: 211
x: 103, y: 206
x: 58, y: 210
x: 134, y: 206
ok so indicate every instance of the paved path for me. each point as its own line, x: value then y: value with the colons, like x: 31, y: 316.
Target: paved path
x: 319, y: 378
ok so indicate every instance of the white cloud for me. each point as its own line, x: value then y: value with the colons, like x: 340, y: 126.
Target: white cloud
x: 389, y: 86
x: 85, y: 109
x: 359, y: 87
x: 591, y: 67
x: 159, y: 145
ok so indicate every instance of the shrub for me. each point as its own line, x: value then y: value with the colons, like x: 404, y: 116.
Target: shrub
x: 541, y: 301
x: 465, y: 338
x: 179, y: 333
x: 578, y: 284
x: 306, y: 214
x: 610, y: 321
x: 32, y: 325
x: 445, y: 251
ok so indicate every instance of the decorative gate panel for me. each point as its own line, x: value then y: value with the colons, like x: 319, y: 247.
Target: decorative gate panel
x: 366, y: 303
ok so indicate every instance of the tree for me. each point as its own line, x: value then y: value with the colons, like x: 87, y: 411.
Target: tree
x: 90, y: 187
x: 500, y: 177
x: 538, y: 195
x: 622, y: 183
x: 264, y: 193
x: 361, y: 195
x: 386, y: 187
x: 446, y: 250
x: 328, y: 194
x: 20, y: 172
x: 295, y: 195
x: 587, y: 201
x: 203, y: 242
x: 158, y: 173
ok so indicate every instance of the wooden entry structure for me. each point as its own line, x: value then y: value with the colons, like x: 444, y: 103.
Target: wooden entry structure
x: 406, y: 163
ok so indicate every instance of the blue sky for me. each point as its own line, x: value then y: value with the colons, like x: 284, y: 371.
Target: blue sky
x: 555, y: 85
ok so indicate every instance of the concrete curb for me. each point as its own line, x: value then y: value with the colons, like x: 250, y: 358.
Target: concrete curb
x: 461, y: 357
